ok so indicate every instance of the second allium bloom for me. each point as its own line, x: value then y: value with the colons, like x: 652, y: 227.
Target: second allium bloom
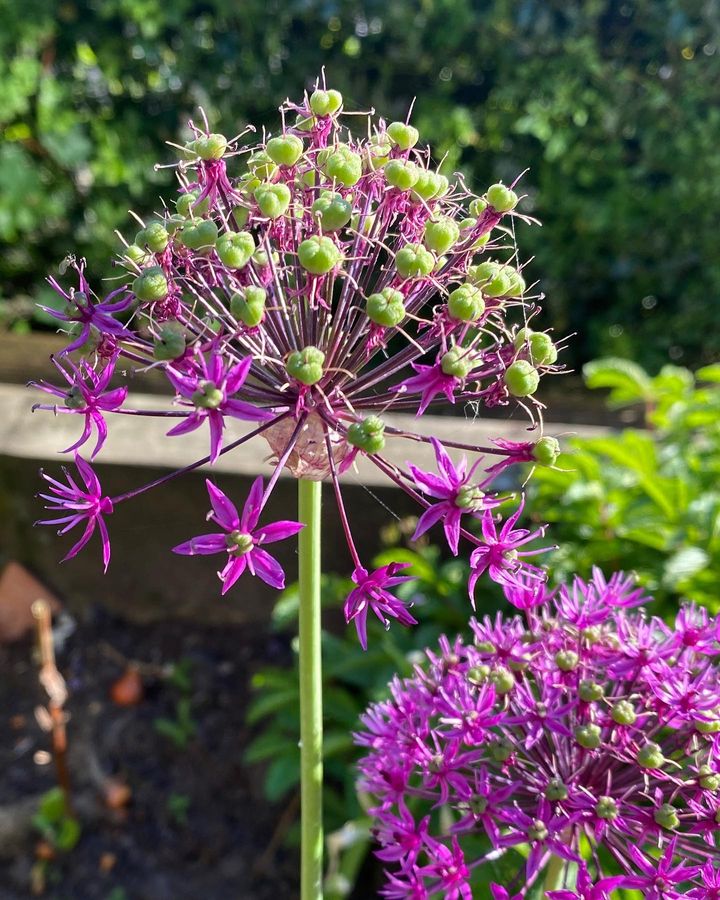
x: 312, y: 284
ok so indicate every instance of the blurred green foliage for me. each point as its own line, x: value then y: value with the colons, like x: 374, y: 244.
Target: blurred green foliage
x: 643, y: 501
x: 612, y: 105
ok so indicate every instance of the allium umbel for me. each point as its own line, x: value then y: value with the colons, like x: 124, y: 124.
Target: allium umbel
x: 584, y: 733
x: 310, y: 284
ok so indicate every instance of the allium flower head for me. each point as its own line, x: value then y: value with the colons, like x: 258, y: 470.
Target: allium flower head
x: 609, y: 768
x: 312, y: 283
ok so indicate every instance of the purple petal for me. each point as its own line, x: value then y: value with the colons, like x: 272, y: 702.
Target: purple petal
x: 267, y: 567
x: 277, y: 531
x: 252, y: 509
x: 225, y: 512
x: 452, y: 529
x: 238, y: 409
x: 232, y: 571
x: 217, y: 423
x: 453, y: 476
x: 88, y: 476
x: 431, y: 484
x: 237, y: 375
x: 203, y: 545
x: 430, y: 517
x: 193, y: 421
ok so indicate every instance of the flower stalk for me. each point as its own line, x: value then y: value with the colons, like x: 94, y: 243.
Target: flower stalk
x: 311, y: 725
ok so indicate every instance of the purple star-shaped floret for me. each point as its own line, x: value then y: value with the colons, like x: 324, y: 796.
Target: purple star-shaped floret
x: 429, y: 382
x: 372, y: 593
x: 658, y: 879
x: 457, y: 496
x: 241, y: 539
x: 79, y: 503
x: 209, y: 389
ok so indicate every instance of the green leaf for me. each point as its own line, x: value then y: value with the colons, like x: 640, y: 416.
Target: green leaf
x: 265, y: 746
x: 627, y: 381
x: 52, y: 805
x: 709, y: 373
x: 282, y: 775
x: 271, y: 703
x: 683, y: 565
x: 67, y: 834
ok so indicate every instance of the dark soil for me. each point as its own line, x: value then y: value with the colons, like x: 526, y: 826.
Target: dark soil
x: 197, y: 825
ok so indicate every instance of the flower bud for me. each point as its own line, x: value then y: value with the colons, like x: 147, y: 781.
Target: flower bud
x: 466, y: 303
x: 154, y: 236
x: 367, y: 435
x: 606, y: 808
x: 543, y: 351
x: 211, y: 147
x: 666, y: 816
x: 386, y: 308
x: 151, y: 285
x: 208, y: 396
x: 248, y: 305
x: 556, y: 790
x: 343, y: 165
x: 325, y: 103
x: 441, y: 234
x: 650, y: 756
x: 285, y: 150
x: 501, y: 198
x: 332, y: 211
x: 623, y: 713
x: 414, y: 261
x: 546, y: 452
x: 200, y: 235
x: 319, y: 254
x: 588, y: 736
x: 186, y: 204
x: 403, y: 136
x: 306, y: 365
x: 235, y: 248
x: 401, y: 174
x: 457, y: 362
x: 567, y: 660
x: 521, y: 379
x: 171, y: 341
x: 590, y: 691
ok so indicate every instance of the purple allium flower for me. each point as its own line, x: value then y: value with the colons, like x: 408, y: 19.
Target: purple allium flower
x: 371, y: 594
x: 87, y: 395
x: 312, y: 283
x: 241, y: 538
x: 546, y: 732
x: 78, y: 503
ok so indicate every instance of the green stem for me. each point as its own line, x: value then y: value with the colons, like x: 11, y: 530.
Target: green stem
x: 311, y: 765
x: 554, y: 874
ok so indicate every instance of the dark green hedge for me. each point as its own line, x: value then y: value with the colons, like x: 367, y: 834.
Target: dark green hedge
x: 612, y: 105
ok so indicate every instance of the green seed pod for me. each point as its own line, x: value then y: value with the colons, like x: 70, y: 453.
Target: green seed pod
x: 234, y: 249
x: 304, y: 123
x: 367, y: 435
x: 707, y: 726
x: 477, y: 207
x: 248, y: 305
x: 154, y: 236
x: 386, y: 308
x: 306, y: 365
x: 343, y: 165
x: 588, y: 736
x: 151, y: 285
x: 623, y: 713
x: 401, y: 174
x: 590, y: 691
x: 567, y: 660
x: 241, y: 214
x: 174, y: 223
x: 458, y: 362
x: 332, y: 211
x: 261, y: 259
x: 708, y: 778
x: 521, y: 379
x: 501, y: 750
x: 478, y: 674
x: 650, y: 756
x: 467, y: 223
x: 667, y: 817
x: 211, y: 147
x: 208, y: 396
x: 319, y: 254
x: 414, y: 261
x: 543, y: 351
x: 606, y: 808
x: 591, y: 633
x: 501, y: 198
x: 443, y: 187
x: 469, y: 497
x: 538, y: 831
x: 556, y: 791
x: 378, y: 152
x: 402, y: 135
x: 325, y: 103
x: 285, y: 150
x: 441, y: 234
x: 517, y: 282
x: 493, y: 278
x: 427, y: 186
x: 261, y: 165
x: 170, y: 343
x: 74, y: 398
x: 546, y: 451
x: 186, y: 204
x: 273, y: 199
x: 136, y: 254
x: 466, y: 303
x: 199, y: 235
x: 502, y: 679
